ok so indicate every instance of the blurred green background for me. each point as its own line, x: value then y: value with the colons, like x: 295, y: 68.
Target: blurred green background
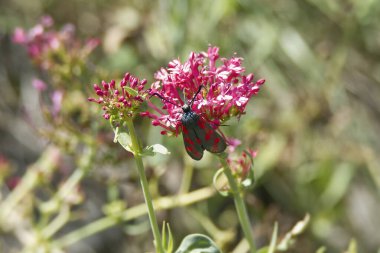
x: 315, y: 123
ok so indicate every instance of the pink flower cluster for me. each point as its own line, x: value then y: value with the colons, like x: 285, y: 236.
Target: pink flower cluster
x: 241, y: 165
x: 225, y: 94
x: 42, y: 41
x: 123, y: 101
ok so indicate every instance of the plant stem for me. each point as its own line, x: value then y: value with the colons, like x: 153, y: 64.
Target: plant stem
x: 58, y: 222
x: 44, y: 166
x: 239, y: 203
x: 134, y: 212
x: 56, y: 202
x: 186, y: 177
x: 145, y: 187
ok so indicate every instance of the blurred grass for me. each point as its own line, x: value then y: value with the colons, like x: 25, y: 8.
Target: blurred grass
x: 315, y: 123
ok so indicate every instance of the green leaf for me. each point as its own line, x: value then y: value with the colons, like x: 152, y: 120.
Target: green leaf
x: 352, y: 247
x: 321, y: 250
x: 197, y: 243
x: 220, y: 183
x: 125, y: 140
x: 291, y: 236
x: 167, y: 242
x: 170, y: 247
x: 273, y: 241
x: 122, y: 137
x: 116, y: 131
x: 163, y: 235
x: 155, y: 149
x: 263, y: 250
x: 272, y: 247
x: 131, y: 91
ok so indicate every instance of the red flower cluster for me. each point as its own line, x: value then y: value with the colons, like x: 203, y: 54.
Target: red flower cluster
x: 121, y: 101
x: 241, y: 165
x: 226, y: 89
x: 42, y: 40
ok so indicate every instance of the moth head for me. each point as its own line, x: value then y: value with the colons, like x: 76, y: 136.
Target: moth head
x: 186, y: 108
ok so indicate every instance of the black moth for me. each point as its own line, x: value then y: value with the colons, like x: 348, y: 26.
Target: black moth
x: 198, y: 135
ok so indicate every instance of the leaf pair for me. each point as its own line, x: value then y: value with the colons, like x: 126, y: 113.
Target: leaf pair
x: 194, y: 243
x: 125, y: 140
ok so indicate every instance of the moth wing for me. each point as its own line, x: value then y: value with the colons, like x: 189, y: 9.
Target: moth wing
x: 193, y: 144
x: 211, y: 140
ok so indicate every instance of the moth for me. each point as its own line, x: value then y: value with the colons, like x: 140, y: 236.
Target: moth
x: 198, y: 135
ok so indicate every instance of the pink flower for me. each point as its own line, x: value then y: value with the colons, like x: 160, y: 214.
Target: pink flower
x: 241, y: 165
x: 19, y: 36
x: 90, y: 45
x: 38, y: 84
x: 56, y: 99
x: 42, y: 43
x: 13, y: 182
x: 232, y: 144
x: 47, y: 21
x: 122, y: 101
x: 225, y: 94
x: 39, y: 39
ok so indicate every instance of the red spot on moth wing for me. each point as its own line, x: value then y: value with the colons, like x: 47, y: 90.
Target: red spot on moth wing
x: 212, y: 140
x: 187, y: 140
x: 192, y: 143
x: 197, y: 154
x: 219, y: 144
x: 189, y: 148
x: 209, y: 134
x: 201, y: 123
x: 194, y: 153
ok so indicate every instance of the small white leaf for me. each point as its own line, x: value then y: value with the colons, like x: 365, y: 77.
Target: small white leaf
x: 125, y: 140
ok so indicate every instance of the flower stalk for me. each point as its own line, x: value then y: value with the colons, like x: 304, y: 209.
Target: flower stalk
x: 145, y: 187
x: 44, y: 167
x: 162, y: 203
x: 239, y: 203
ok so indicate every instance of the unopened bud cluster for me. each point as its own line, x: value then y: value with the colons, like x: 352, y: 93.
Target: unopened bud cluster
x: 120, y: 101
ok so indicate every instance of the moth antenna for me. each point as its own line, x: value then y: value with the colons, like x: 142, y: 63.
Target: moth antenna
x: 158, y: 95
x: 196, y: 94
x: 184, y: 96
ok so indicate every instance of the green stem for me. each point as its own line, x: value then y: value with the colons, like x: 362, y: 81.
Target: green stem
x: 239, y: 203
x: 186, y: 177
x: 26, y: 185
x: 55, y: 203
x: 70, y: 184
x: 144, y: 184
x: 45, y: 165
x: 134, y: 212
x: 58, y: 222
